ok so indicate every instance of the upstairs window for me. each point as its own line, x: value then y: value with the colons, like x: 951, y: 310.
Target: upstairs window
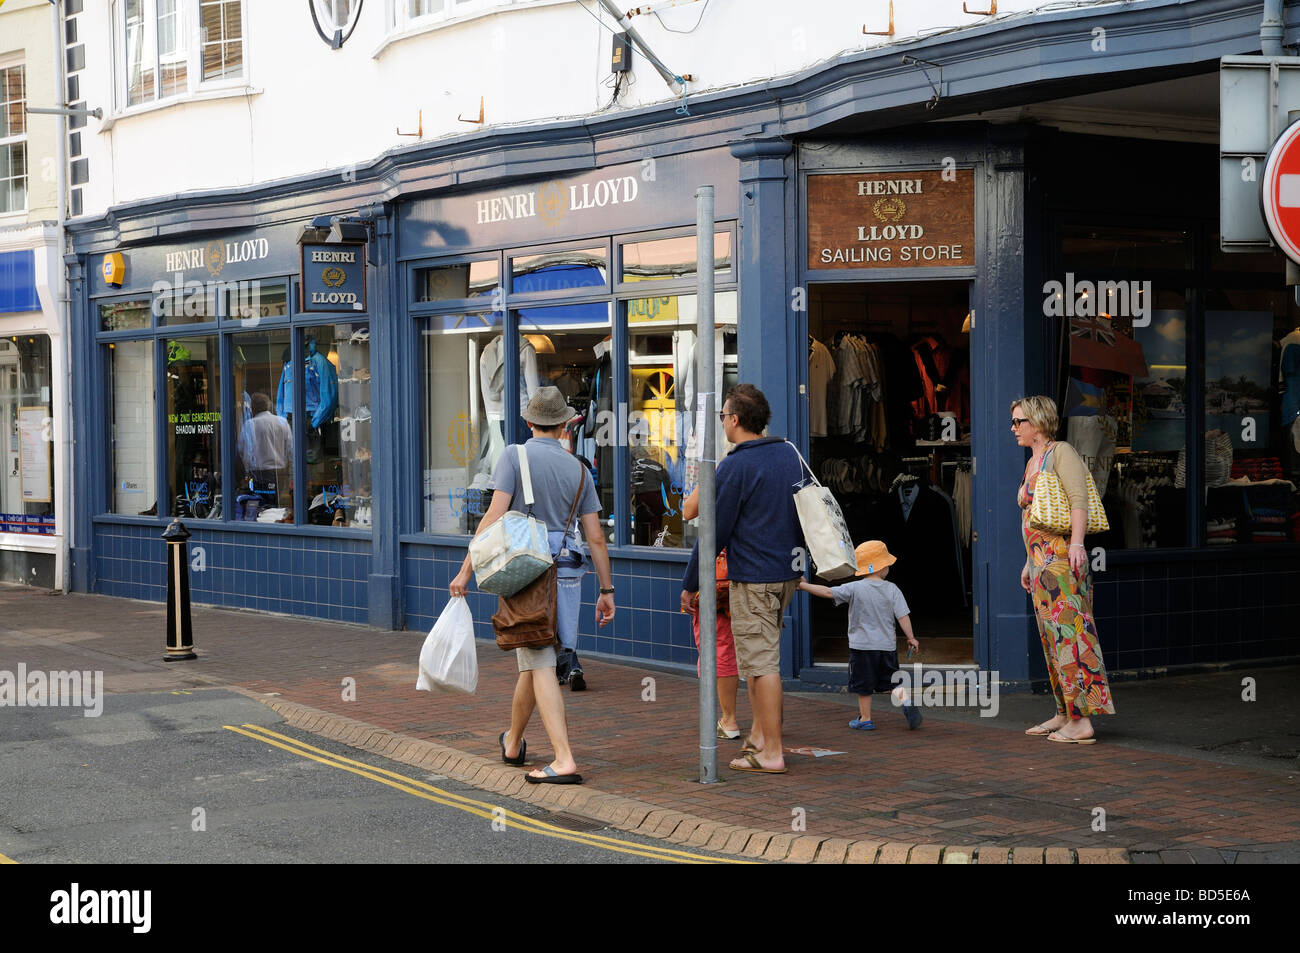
x: 168, y: 48
x: 13, y: 140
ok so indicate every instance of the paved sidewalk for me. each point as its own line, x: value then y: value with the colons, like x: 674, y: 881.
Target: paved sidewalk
x: 961, y: 789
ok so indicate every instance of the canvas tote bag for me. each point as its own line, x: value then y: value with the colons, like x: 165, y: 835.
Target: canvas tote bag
x: 514, y: 550
x: 824, y: 529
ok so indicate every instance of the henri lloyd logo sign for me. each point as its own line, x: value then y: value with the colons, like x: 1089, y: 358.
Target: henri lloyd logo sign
x: 892, y: 220
x: 333, y: 277
x: 552, y: 201
x: 216, y: 255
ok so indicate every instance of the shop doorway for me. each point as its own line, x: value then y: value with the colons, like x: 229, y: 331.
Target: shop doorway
x: 889, y: 398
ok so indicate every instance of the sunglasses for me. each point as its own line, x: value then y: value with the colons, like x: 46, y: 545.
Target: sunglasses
x: 724, y: 414
x: 1017, y: 421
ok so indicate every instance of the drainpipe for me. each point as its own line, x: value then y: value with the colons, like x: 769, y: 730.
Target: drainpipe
x: 63, y: 500
x: 1271, y: 28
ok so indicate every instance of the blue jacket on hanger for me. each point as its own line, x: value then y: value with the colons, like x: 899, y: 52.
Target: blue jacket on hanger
x: 320, y: 387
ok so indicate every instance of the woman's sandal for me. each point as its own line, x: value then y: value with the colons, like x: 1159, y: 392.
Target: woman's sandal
x: 1043, y: 729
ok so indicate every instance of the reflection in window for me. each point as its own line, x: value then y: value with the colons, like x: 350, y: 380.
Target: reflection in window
x: 249, y: 301
x: 663, y: 390
x: 195, y: 304
x: 27, y: 490
x: 473, y: 279
x: 463, y: 422
x: 671, y: 259
x: 1087, y: 247
x: 131, y: 392
x: 1125, y: 411
x: 336, y: 426
x: 124, y: 315
x: 559, y: 271
x: 569, y: 347
x: 222, y: 36
x: 263, y: 462
x: 194, y: 426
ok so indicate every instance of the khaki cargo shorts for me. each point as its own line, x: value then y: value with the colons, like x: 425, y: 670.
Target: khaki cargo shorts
x: 756, y: 611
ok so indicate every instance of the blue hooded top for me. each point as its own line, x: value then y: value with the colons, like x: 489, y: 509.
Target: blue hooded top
x: 320, y: 387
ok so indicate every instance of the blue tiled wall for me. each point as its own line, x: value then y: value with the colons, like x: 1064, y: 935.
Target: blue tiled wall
x: 299, y: 575
x: 647, y: 625
x: 1200, y: 611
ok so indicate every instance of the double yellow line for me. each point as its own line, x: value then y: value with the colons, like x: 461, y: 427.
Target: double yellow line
x: 483, y: 809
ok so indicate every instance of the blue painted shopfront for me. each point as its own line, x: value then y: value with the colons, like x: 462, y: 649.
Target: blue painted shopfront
x: 460, y: 204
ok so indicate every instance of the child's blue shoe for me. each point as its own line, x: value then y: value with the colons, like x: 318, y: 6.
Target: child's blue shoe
x: 861, y: 725
x: 913, y: 716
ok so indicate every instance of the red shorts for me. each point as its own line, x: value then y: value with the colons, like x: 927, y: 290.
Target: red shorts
x: 726, y: 647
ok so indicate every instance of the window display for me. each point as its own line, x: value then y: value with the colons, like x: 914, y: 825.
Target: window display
x: 335, y: 430
x: 661, y: 423
x: 132, y: 419
x: 263, y: 464
x: 463, y: 420
x: 194, y: 426
x: 27, y: 491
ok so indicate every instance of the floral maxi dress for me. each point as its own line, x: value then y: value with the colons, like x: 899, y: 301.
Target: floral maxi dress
x: 1063, y: 608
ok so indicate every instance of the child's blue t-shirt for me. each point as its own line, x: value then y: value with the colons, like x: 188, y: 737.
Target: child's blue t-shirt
x: 874, y: 604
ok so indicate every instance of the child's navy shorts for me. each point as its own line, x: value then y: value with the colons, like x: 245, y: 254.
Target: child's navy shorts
x: 871, y: 670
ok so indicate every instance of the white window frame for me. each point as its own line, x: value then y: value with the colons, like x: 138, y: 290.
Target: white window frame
x: 398, y: 19
x: 19, y: 140
x: 192, y: 43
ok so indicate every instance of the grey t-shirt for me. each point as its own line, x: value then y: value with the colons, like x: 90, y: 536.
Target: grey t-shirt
x: 874, y: 604
x: 555, y: 474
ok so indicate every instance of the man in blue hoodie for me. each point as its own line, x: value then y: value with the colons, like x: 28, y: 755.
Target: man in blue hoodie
x: 759, y: 528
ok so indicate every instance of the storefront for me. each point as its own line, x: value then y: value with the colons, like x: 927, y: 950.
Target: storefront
x: 33, y: 404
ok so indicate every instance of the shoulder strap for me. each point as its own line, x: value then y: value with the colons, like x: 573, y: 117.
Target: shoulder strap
x: 582, y: 485
x: 525, y: 477
x: 805, y: 463
x: 1042, y: 461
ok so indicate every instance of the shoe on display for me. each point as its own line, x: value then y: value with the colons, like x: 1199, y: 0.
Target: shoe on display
x: 361, y: 374
x: 363, y: 412
x: 363, y: 453
x: 360, y: 335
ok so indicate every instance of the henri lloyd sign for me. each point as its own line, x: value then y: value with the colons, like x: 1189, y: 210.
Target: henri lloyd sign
x: 333, y: 277
x: 552, y: 201
x: 892, y: 220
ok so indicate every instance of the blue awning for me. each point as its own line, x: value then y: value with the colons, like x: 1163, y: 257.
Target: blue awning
x: 18, y: 282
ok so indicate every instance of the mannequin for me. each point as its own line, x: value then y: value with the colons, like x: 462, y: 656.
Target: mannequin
x: 492, y: 383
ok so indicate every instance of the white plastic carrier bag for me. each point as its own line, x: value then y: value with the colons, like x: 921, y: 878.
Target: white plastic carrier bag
x: 824, y: 529
x: 448, y: 659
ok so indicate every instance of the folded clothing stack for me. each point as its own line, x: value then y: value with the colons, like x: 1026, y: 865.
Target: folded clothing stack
x: 1257, y: 468
x: 1221, y: 532
x: 1268, y: 517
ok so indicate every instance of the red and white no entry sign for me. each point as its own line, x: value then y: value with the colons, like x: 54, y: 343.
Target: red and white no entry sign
x: 1280, y: 192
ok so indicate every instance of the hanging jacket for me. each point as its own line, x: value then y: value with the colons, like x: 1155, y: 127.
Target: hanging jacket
x: 320, y: 387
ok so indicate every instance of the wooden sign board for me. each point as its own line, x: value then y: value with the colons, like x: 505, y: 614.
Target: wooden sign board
x: 892, y: 219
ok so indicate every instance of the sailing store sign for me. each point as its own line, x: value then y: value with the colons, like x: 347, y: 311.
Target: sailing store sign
x: 923, y: 219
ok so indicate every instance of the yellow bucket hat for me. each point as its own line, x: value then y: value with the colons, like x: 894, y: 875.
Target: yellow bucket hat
x: 873, y: 556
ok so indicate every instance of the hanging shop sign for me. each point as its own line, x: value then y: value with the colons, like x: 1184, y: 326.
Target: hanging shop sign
x: 900, y: 219
x: 333, y: 277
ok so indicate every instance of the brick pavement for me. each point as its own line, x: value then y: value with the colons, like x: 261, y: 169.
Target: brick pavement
x: 951, y: 792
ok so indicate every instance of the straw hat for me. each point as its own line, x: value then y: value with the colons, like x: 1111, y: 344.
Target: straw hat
x: 547, y: 408
x: 873, y: 556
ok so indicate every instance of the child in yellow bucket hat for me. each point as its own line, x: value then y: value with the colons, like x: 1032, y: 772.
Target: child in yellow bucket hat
x: 874, y: 605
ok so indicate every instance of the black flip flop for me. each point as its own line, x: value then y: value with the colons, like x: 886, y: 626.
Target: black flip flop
x: 518, y: 759
x: 553, y: 778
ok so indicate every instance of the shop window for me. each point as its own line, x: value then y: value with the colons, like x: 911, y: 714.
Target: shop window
x: 661, y: 440
x: 335, y: 430
x: 27, y: 490
x: 463, y: 421
x: 1125, y: 411
x: 1252, y: 405
x: 561, y: 271
x: 194, y: 426
x: 131, y: 418
x: 570, y: 347
x: 125, y: 315
x: 1091, y: 248
x: 263, y: 464
x: 471, y: 279
x: 671, y: 259
x: 252, y: 301
x: 196, y: 303
x: 13, y: 139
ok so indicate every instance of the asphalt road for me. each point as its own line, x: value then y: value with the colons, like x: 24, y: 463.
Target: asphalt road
x: 214, y: 777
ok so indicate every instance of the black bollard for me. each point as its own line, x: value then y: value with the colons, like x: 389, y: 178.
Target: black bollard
x: 180, y: 634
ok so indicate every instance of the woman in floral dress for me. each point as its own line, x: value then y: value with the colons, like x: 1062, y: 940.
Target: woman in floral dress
x: 1057, y: 577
